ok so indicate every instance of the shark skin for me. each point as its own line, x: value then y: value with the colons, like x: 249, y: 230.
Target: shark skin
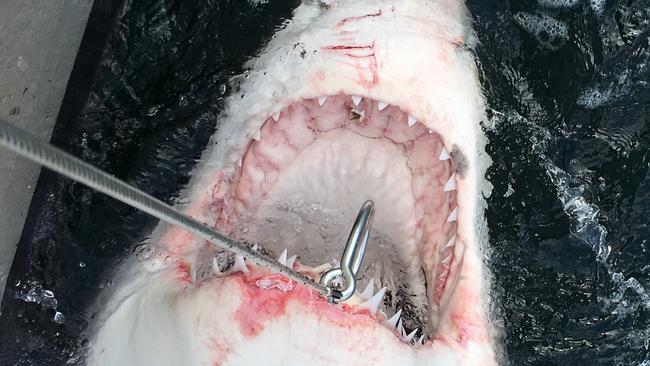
x: 351, y: 100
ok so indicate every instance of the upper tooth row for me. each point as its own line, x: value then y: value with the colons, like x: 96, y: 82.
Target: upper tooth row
x: 356, y: 100
x: 444, y: 154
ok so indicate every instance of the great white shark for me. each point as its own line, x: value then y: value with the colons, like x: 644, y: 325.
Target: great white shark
x: 351, y: 100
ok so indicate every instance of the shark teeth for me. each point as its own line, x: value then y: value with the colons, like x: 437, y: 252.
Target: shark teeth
x: 412, y: 121
x: 451, y: 242
x: 255, y: 247
x: 367, y: 293
x: 257, y: 135
x: 215, y: 267
x: 356, y: 100
x: 401, y: 332
x: 276, y: 116
x: 453, y: 216
x: 239, y: 265
x: 322, y: 100
x: 394, y: 319
x: 408, y: 338
x: 400, y: 329
x: 451, y: 183
x: 373, y: 303
x: 291, y: 260
x: 420, y: 341
x: 444, y: 155
x: 381, y: 106
x: 283, y: 257
x: 446, y: 260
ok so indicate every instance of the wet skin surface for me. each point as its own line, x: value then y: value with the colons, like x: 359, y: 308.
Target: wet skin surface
x: 559, y: 303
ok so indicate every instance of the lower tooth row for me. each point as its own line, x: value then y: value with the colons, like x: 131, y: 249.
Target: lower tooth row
x: 371, y: 303
x: 395, y: 322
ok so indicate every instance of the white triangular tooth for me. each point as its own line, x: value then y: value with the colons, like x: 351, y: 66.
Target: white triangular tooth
x: 412, y: 121
x: 381, y: 106
x: 451, y: 241
x: 370, y: 289
x: 430, y: 131
x: 444, y: 155
x: 446, y: 260
x: 453, y: 216
x: 451, y: 183
x: 420, y: 341
x: 215, y: 266
x: 291, y: 260
x: 276, y: 116
x: 373, y: 303
x: 400, y: 329
x: 410, y: 336
x: 257, y: 135
x: 394, y: 319
x: 239, y: 265
x: 283, y: 257
x: 322, y: 100
x: 255, y: 247
x: 356, y: 99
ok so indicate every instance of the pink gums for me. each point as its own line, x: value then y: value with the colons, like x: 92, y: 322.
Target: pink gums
x: 260, y: 305
x: 239, y: 194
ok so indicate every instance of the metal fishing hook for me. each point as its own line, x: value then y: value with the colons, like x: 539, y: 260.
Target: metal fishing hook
x: 355, y: 250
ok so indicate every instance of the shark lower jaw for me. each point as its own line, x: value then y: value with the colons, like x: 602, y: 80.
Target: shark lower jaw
x: 297, y: 185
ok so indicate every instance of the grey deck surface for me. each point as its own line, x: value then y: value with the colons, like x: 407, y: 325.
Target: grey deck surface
x: 39, y: 40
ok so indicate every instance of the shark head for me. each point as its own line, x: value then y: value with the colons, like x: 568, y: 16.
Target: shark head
x: 350, y: 101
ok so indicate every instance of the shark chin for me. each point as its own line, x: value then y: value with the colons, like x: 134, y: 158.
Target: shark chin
x: 350, y: 101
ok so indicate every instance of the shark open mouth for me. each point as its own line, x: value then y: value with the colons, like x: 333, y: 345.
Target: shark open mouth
x: 351, y: 101
x: 314, y: 162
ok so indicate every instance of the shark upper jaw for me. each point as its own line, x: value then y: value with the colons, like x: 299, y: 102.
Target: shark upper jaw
x: 348, y: 56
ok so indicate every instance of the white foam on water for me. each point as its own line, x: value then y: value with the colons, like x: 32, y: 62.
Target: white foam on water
x: 584, y: 215
x: 549, y: 32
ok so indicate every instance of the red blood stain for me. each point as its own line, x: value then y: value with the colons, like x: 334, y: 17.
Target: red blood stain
x: 258, y: 307
x: 347, y: 20
x: 363, y: 58
x: 262, y: 305
x: 182, y: 271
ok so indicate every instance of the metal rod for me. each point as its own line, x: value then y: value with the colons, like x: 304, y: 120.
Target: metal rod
x: 36, y: 150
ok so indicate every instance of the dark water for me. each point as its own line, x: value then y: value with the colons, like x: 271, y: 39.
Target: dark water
x: 567, y: 86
